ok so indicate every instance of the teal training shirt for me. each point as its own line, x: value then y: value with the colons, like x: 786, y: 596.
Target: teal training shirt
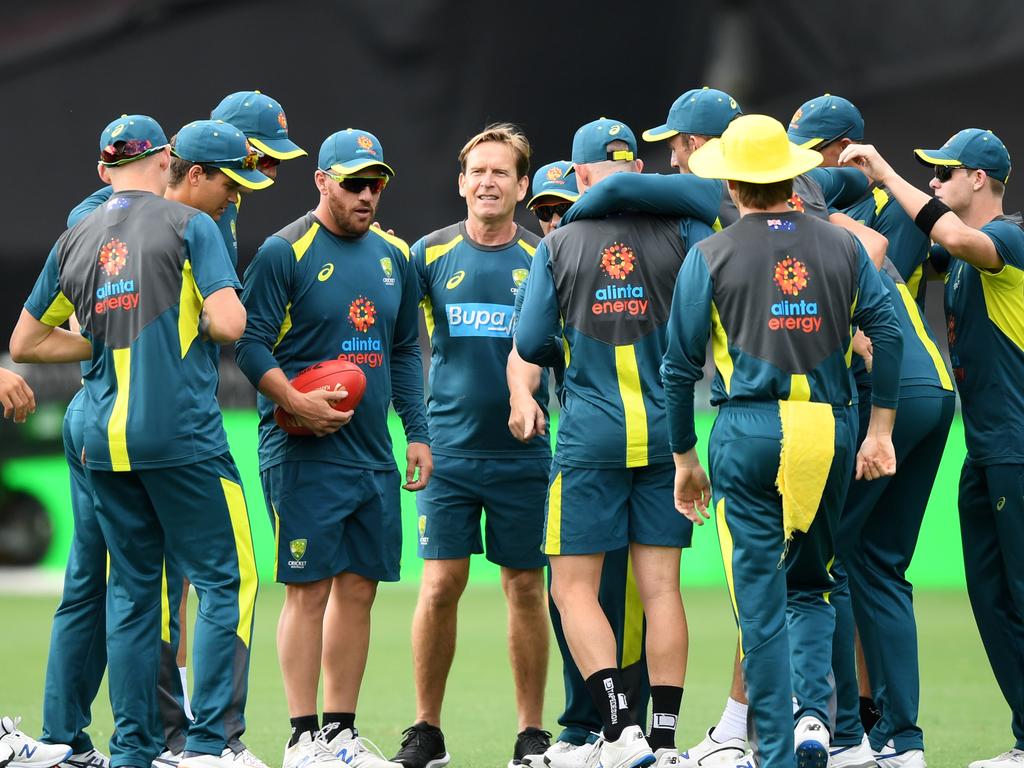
x: 468, y: 295
x: 775, y: 293
x: 598, y: 298
x: 226, y: 224
x: 135, y: 274
x: 985, y: 325
x: 313, y: 296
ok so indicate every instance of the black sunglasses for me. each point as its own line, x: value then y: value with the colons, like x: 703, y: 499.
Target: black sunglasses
x: 945, y: 172
x: 356, y: 184
x: 546, y: 212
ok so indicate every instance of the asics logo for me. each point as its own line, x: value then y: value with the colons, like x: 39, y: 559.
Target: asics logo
x: 325, y: 273
x: 455, y: 279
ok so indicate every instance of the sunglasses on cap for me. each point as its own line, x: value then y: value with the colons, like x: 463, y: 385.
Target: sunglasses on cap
x: 547, y: 212
x: 945, y: 172
x: 121, y: 152
x: 266, y: 161
x: 356, y: 184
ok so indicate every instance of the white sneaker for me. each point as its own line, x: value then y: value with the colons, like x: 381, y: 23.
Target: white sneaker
x: 711, y: 752
x: 562, y: 754
x: 1012, y: 759
x: 351, y: 748
x: 207, y: 761
x: 857, y: 756
x: 167, y: 759
x: 6, y: 754
x: 630, y: 750
x: 28, y: 752
x: 666, y: 758
x: 91, y: 759
x: 811, y: 739
x: 242, y: 758
x: 309, y: 752
x: 747, y: 761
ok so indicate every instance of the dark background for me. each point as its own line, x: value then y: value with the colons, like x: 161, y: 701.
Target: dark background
x: 424, y: 75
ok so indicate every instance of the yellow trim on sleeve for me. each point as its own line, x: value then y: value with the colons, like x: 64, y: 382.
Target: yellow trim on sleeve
x: 914, y: 312
x: 725, y: 544
x: 565, y: 350
x: 720, y: 348
x: 59, y: 310
x: 248, y: 580
x: 526, y: 247
x: 398, y: 242
x: 165, y: 607
x: 914, y: 282
x: 1004, y: 301
x: 117, y: 426
x: 190, y: 306
x: 799, y: 387
x: 553, y: 534
x: 435, y: 252
x: 632, y: 620
x: 634, y: 412
x: 300, y: 246
x: 286, y: 325
x: 428, y: 315
x: 717, y: 226
x: 881, y: 199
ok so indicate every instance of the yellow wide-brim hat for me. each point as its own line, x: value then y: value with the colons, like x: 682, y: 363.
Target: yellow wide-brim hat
x: 754, y: 148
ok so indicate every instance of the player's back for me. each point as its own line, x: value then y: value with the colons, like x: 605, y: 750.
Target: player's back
x: 136, y: 272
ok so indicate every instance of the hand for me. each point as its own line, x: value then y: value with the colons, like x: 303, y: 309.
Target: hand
x: 692, y: 488
x: 377, y: 225
x: 876, y: 457
x: 526, y: 418
x: 417, y: 455
x: 16, y: 396
x: 314, y: 411
x: 867, y: 158
x: 862, y: 346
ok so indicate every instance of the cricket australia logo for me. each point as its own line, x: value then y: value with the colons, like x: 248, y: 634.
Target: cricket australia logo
x: 424, y: 539
x: 297, y: 547
x: 389, y: 270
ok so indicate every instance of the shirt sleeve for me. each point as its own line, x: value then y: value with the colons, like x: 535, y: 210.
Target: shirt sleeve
x: 689, y: 328
x: 418, y: 269
x: 407, y: 360
x: 841, y: 187
x: 47, y: 303
x: 90, y: 204
x: 674, y: 195
x: 874, y: 314
x: 1008, y: 238
x: 908, y: 245
x: 211, y: 264
x: 539, y: 331
x: 266, y: 293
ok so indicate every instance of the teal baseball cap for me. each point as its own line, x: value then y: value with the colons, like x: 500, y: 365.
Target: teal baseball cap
x: 589, y: 144
x: 223, y: 146
x: 554, y: 180
x: 971, y: 148
x: 825, y: 119
x: 346, y: 152
x: 130, y: 137
x: 701, y: 111
x: 262, y: 120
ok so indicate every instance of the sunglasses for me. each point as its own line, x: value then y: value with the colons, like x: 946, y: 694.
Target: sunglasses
x: 547, y: 212
x: 356, y: 184
x: 266, y: 161
x: 945, y: 172
x: 121, y: 152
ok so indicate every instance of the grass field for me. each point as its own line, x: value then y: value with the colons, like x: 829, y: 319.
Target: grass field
x: 962, y: 712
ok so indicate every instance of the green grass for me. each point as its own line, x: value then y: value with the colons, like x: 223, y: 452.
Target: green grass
x: 963, y: 714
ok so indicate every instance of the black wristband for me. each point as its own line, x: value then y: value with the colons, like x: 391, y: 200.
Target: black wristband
x: 933, y: 210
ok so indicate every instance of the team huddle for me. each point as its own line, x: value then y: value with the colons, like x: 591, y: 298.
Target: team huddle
x: 798, y: 253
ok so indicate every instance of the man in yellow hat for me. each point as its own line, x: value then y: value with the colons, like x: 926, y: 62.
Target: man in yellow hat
x: 775, y: 292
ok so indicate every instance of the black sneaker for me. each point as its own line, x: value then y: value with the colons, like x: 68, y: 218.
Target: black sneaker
x: 531, y: 744
x: 869, y: 713
x: 422, y: 747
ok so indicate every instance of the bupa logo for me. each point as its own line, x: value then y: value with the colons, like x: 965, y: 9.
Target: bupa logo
x: 480, y: 320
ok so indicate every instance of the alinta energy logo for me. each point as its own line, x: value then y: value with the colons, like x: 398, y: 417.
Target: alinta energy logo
x: 115, y: 294
x: 791, y: 277
x: 362, y: 350
x: 618, y: 262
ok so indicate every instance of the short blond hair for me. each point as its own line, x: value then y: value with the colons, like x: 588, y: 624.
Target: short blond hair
x: 503, y: 133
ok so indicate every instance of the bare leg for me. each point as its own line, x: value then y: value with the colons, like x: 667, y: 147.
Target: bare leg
x: 527, y: 640
x: 575, y: 580
x: 346, y: 640
x: 657, y: 579
x: 300, y: 643
x: 739, y: 690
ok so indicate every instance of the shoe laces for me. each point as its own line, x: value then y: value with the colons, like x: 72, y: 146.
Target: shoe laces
x: 535, y: 741
x: 412, y: 735
x: 9, y: 725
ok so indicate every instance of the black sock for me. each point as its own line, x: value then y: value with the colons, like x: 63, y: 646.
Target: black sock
x: 869, y: 713
x: 300, y: 725
x: 665, y: 703
x: 606, y: 690
x: 343, y: 719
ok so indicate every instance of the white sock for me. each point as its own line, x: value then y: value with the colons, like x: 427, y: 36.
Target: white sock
x: 183, y: 671
x: 733, y: 724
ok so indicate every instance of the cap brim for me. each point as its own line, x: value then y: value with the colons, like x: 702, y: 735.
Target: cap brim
x: 709, y: 162
x: 569, y: 196
x: 659, y: 133
x: 358, y: 165
x: 248, y: 179
x: 804, y: 142
x: 934, y: 157
x: 279, y: 149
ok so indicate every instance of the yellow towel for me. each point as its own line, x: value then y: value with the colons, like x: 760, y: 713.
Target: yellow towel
x: 808, y: 447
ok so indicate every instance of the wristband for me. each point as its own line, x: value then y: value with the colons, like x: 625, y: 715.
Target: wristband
x: 933, y: 210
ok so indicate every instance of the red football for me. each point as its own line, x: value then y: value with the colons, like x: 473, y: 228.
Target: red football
x: 332, y: 375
